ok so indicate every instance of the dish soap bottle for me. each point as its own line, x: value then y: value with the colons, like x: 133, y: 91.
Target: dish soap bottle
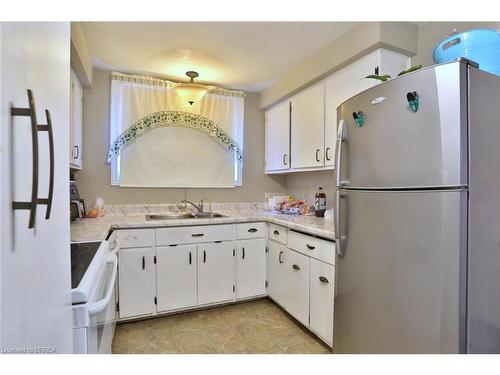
x: 320, y: 203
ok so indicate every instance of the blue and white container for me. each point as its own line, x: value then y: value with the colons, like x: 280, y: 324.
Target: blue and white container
x: 479, y: 45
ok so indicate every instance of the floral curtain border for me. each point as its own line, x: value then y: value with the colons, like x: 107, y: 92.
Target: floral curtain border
x: 173, y: 118
x: 152, y: 81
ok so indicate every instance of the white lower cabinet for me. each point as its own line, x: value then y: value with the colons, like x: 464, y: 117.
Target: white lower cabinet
x: 277, y: 272
x: 297, y: 285
x: 215, y: 272
x: 137, y: 287
x: 322, y: 277
x: 302, y: 284
x: 251, y: 268
x: 176, y: 277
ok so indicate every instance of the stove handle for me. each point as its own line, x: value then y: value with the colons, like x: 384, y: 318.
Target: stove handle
x: 99, y: 306
x: 117, y: 247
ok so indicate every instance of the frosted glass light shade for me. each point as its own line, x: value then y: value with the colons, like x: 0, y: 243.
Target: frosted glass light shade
x: 191, y: 92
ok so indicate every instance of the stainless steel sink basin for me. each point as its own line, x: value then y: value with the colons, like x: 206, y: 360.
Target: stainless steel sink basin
x: 206, y: 215
x: 194, y: 215
x: 169, y: 217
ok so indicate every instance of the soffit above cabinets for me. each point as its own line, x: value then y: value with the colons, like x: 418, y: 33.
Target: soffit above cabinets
x: 249, y: 56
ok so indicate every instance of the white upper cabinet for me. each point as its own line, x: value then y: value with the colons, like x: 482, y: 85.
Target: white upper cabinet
x: 349, y: 81
x: 76, y: 122
x: 313, y: 118
x: 308, y: 128
x: 278, y: 137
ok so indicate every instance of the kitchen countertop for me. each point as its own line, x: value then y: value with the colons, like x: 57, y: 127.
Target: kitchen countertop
x: 97, y: 229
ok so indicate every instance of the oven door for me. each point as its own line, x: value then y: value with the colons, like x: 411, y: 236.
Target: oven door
x: 102, y: 310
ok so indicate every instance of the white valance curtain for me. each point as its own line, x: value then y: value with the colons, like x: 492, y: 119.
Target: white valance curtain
x: 173, y: 156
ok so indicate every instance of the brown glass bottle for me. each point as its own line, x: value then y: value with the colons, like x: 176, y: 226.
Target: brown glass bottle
x: 320, y: 203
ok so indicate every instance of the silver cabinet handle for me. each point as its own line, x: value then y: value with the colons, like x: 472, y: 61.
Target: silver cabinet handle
x: 276, y: 232
x: 338, y: 151
x: 327, y: 153
x: 243, y: 253
x: 284, y: 159
x: 317, y: 154
x: 252, y: 230
x: 280, y: 257
x: 323, y: 279
x: 310, y: 247
x: 197, y: 235
x: 296, y: 267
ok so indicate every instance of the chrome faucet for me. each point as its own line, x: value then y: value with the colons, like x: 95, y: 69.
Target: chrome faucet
x: 199, y: 206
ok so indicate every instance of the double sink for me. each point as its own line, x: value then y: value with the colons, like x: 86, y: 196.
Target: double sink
x: 185, y: 215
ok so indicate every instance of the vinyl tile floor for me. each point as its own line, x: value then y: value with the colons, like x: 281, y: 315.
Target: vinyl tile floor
x: 256, y: 327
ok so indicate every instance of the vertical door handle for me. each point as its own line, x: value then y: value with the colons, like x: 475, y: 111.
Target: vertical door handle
x: 77, y: 152
x: 243, y: 253
x: 341, y: 239
x: 284, y: 159
x: 48, y: 129
x: 204, y: 256
x: 143, y: 263
x: 327, y: 153
x: 280, y: 257
x: 31, y: 113
x: 190, y: 258
x: 317, y: 154
x: 338, y: 150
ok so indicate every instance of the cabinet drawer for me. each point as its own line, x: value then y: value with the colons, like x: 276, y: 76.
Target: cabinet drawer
x: 277, y: 233
x: 196, y: 234
x: 314, y: 247
x: 250, y: 230
x: 136, y: 237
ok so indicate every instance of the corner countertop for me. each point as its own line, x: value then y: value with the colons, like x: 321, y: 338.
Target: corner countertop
x: 97, y: 229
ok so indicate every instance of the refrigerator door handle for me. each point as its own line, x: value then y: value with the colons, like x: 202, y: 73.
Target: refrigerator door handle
x: 341, y: 238
x: 338, y: 151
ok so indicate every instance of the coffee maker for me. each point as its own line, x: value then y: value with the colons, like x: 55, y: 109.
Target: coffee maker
x: 76, y: 204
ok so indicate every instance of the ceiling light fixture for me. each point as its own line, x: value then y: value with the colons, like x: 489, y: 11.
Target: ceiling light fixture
x: 191, y: 92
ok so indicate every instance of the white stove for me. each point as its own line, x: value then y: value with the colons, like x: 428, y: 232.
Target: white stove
x: 93, y: 278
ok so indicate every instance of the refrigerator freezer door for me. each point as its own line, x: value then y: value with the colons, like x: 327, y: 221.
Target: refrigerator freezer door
x: 400, y: 284
x: 391, y: 146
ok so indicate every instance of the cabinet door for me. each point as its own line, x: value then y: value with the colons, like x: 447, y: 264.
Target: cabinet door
x: 251, y: 268
x: 137, y: 281
x: 215, y: 272
x: 277, y: 275
x: 297, y: 285
x: 176, y: 277
x: 76, y: 120
x: 349, y: 81
x: 277, y: 124
x: 321, y: 287
x: 308, y: 128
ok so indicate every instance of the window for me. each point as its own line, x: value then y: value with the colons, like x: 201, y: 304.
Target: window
x: 172, y: 149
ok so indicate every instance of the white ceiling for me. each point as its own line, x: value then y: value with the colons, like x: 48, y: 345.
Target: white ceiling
x: 249, y: 56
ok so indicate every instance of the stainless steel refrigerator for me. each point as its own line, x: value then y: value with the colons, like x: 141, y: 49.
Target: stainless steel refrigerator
x: 418, y: 214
